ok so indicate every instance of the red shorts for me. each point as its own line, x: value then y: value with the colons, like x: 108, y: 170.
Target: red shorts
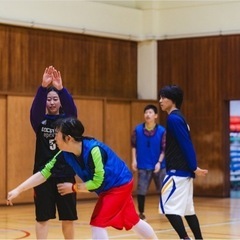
x: 115, y: 208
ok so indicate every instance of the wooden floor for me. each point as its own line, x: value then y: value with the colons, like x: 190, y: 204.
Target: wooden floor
x: 219, y: 219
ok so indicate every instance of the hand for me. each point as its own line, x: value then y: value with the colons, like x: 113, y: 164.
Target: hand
x: 201, y: 172
x: 47, y: 76
x: 64, y: 188
x: 57, y: 80
x: 11, y: 195
x: 157, y: 167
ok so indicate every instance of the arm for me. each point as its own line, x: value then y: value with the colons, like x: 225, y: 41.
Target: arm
x: 31, y: 182
x: 38, y: 108
x: 134, y: 159
x: 162, y: 154
x: 134, y: 153
x: 67, y: 103
x: 98, y: 159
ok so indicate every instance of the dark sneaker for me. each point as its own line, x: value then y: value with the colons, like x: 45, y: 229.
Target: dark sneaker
x: 142, y: 216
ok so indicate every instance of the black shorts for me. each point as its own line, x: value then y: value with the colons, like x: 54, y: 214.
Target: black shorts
x: 47, y: 201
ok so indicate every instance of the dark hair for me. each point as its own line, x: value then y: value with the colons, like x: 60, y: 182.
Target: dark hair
x: 70, y: 126
x: 51, y: 88
x: 150, y: 106
x: 173, y: 92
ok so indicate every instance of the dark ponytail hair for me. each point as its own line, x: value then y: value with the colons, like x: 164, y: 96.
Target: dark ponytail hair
x: 70, y: 126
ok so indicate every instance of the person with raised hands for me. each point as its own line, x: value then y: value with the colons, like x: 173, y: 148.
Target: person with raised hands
x: 51, y: 102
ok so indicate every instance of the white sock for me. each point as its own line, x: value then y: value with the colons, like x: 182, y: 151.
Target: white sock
x: 144, y: 230
x: 99, y: 233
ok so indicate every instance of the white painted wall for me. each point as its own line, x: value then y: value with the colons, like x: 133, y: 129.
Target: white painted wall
x: 147, y: 70
x: 220, y: 17
x: 74, y: 16
x: 140, y: 21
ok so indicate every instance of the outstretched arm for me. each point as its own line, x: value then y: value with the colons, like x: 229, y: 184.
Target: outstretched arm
x: 31, y: 182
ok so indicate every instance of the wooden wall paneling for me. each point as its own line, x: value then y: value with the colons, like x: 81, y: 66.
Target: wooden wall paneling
x: 90, y: 113
x: 230, y: 70
x: 117, y: 120
x: 197, y: 64
x: 202, y: 95
x: 172, y: 62
x: 20, y: 144
x: 4, y: 58
x: 3, y: 152
x: 18, y: 56
x: 109, y: 68
x: 90, y: 66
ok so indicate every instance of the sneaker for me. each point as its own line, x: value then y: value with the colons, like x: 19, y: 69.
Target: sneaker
x: 142, y: 216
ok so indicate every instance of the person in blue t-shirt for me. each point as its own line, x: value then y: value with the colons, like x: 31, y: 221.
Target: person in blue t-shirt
x: 148, y: 144
x: 181, y: 166
x: 102, y: 172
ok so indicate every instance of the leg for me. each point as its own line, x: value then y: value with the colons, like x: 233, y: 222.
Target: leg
x: 194, y: 225
x: 141, y: 203
x: 144, y: 180
x: 158, y: 179
x: 68, y: 229
x: 99, y: 233
x: 144, y: 230
x: 177, y: 223
x: 44, y: 208
x: 66, y: 206
x: 41, y: 230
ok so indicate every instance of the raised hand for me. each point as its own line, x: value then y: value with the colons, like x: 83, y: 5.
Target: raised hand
x: 57, y: 79
x: 47, y: 76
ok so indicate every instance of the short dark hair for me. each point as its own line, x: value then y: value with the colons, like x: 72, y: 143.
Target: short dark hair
x: 70, y: 126
x: 173, y: 92
x: 151, y: 106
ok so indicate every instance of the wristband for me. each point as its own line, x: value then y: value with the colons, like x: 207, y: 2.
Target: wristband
x: 74, y: 187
